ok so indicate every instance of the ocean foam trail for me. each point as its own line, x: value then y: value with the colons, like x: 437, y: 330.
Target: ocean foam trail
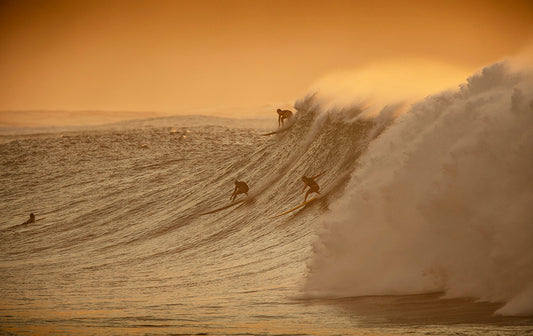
x: 441, y: 201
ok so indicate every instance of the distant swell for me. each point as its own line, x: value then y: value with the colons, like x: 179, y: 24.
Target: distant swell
x: 441, y: 201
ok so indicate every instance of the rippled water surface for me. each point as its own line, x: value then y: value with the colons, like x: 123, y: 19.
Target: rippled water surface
x: 120, y: 247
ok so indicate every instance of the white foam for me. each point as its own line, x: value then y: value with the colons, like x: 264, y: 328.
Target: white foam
x: 441, y: 201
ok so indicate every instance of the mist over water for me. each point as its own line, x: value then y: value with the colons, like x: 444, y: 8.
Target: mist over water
x: 414, y: 199
x: 440, y: 202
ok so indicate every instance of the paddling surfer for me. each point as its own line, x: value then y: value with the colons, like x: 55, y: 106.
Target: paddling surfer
x: 313, y: 186
x: 240, y: 188
x: 282, y: 115
x: 31, y: 220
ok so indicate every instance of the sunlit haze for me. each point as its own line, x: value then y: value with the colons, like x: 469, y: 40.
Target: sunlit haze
x: 266, y: 167
x: 239, y: 58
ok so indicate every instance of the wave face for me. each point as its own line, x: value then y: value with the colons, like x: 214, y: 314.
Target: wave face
x: 436, y: 199
x: 440, y: 202
x: 122, y: 244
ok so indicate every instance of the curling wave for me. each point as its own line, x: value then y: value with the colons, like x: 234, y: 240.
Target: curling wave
x: 440, y: 201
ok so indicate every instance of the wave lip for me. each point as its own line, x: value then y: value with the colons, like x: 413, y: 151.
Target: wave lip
x: 440, y: 201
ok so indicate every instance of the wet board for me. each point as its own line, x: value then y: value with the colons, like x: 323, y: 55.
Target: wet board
x: 272, y: 133
x: 33, y: 221
x: 280, y: 130
x: 296, y: 208
x: 23, y: 224
x: 224, y: 207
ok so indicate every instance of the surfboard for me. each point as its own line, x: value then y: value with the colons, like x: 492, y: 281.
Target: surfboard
x: 33, y: 221
x: 223, y: 207
x: 280, y: 130
x: 272, y: 133
x: 296, y: 208
x: 17, y: 226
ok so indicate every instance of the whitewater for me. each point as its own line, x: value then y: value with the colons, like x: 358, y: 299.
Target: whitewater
x: 423, y: 224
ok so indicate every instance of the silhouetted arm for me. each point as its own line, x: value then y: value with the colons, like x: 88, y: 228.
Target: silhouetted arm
x: 314, y: 177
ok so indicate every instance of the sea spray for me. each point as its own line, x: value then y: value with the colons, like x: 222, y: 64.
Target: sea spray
x: 441, y: 201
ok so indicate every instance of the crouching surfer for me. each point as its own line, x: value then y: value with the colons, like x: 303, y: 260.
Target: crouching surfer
x: 240, y: 188
x: 282, y: 115
x: 311, y: 183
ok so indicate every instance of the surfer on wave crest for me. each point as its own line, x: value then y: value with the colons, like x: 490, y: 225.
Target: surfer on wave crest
x: 240, y: 188
x: 282, y: 115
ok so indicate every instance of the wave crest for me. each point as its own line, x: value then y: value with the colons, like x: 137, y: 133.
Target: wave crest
x: 441, y: 201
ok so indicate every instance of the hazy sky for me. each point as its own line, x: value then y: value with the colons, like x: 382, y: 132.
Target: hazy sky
x: 181, y: 56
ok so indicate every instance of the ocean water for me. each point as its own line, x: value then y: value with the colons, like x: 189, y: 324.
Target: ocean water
x: 423, y: 225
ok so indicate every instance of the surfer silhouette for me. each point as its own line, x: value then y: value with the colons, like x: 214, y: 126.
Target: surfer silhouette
x: 240, y: 188
x: 313, y: 186
x: 31, y: 220
x: 282, y: 115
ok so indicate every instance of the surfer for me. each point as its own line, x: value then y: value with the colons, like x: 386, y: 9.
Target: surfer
x: 313, y: 186
x: 31, y: 220
x: 240, y: 188
x: 282, y: 115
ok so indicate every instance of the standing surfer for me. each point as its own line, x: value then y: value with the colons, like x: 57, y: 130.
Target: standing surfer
x: 240, y: 188
x: 282, y: 115
x: 313, y: 186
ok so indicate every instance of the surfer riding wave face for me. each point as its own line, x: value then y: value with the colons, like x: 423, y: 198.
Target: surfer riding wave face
x: 240, y: 188
x: 313, y: 186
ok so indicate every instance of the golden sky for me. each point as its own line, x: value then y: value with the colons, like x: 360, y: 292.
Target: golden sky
x: 185, y: 56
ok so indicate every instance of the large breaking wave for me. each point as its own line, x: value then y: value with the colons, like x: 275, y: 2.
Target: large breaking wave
x: 441, y: 201
x: 432, y: 197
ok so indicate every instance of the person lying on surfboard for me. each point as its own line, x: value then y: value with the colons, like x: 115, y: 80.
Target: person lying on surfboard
x: 240, y: 188
x: 282, y: 115
x: 313, y: 186
x: 31, y: 220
